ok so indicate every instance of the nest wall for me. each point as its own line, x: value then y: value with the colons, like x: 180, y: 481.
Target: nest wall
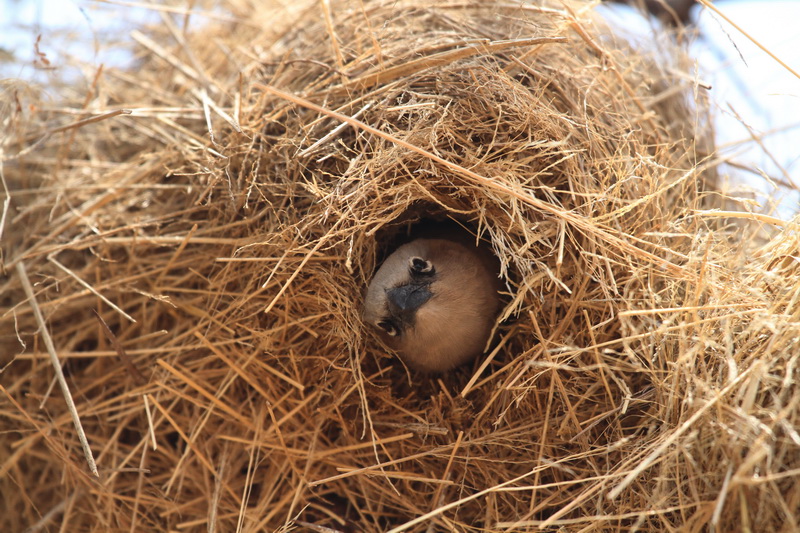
x: 201, y: 263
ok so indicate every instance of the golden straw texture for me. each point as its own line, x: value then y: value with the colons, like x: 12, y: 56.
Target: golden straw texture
x: 223, y: 205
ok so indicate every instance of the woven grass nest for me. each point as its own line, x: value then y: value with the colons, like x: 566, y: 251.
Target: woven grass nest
x: 198, y: 233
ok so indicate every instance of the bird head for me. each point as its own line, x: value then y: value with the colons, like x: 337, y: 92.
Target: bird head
x: 434, y: 301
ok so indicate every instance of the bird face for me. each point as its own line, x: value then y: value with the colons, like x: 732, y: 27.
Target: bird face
x: 434, y: 301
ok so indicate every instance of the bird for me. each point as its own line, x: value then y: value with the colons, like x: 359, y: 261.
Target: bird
x: 434, y: 301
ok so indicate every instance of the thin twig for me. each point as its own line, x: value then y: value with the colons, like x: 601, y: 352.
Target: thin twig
x: 48, y: 342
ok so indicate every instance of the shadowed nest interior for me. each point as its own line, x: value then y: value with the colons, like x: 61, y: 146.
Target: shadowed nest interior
x: 199, y: 231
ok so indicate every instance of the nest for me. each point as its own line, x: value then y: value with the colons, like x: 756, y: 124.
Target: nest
x: 199, y: 238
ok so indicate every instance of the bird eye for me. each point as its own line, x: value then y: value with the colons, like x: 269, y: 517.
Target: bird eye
x: 418, y: 265
x: 388, y: 327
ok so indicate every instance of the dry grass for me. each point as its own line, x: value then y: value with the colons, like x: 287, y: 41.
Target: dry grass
x: 222, y: 207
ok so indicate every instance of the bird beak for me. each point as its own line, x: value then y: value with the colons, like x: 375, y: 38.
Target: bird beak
x: 407, y: 299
